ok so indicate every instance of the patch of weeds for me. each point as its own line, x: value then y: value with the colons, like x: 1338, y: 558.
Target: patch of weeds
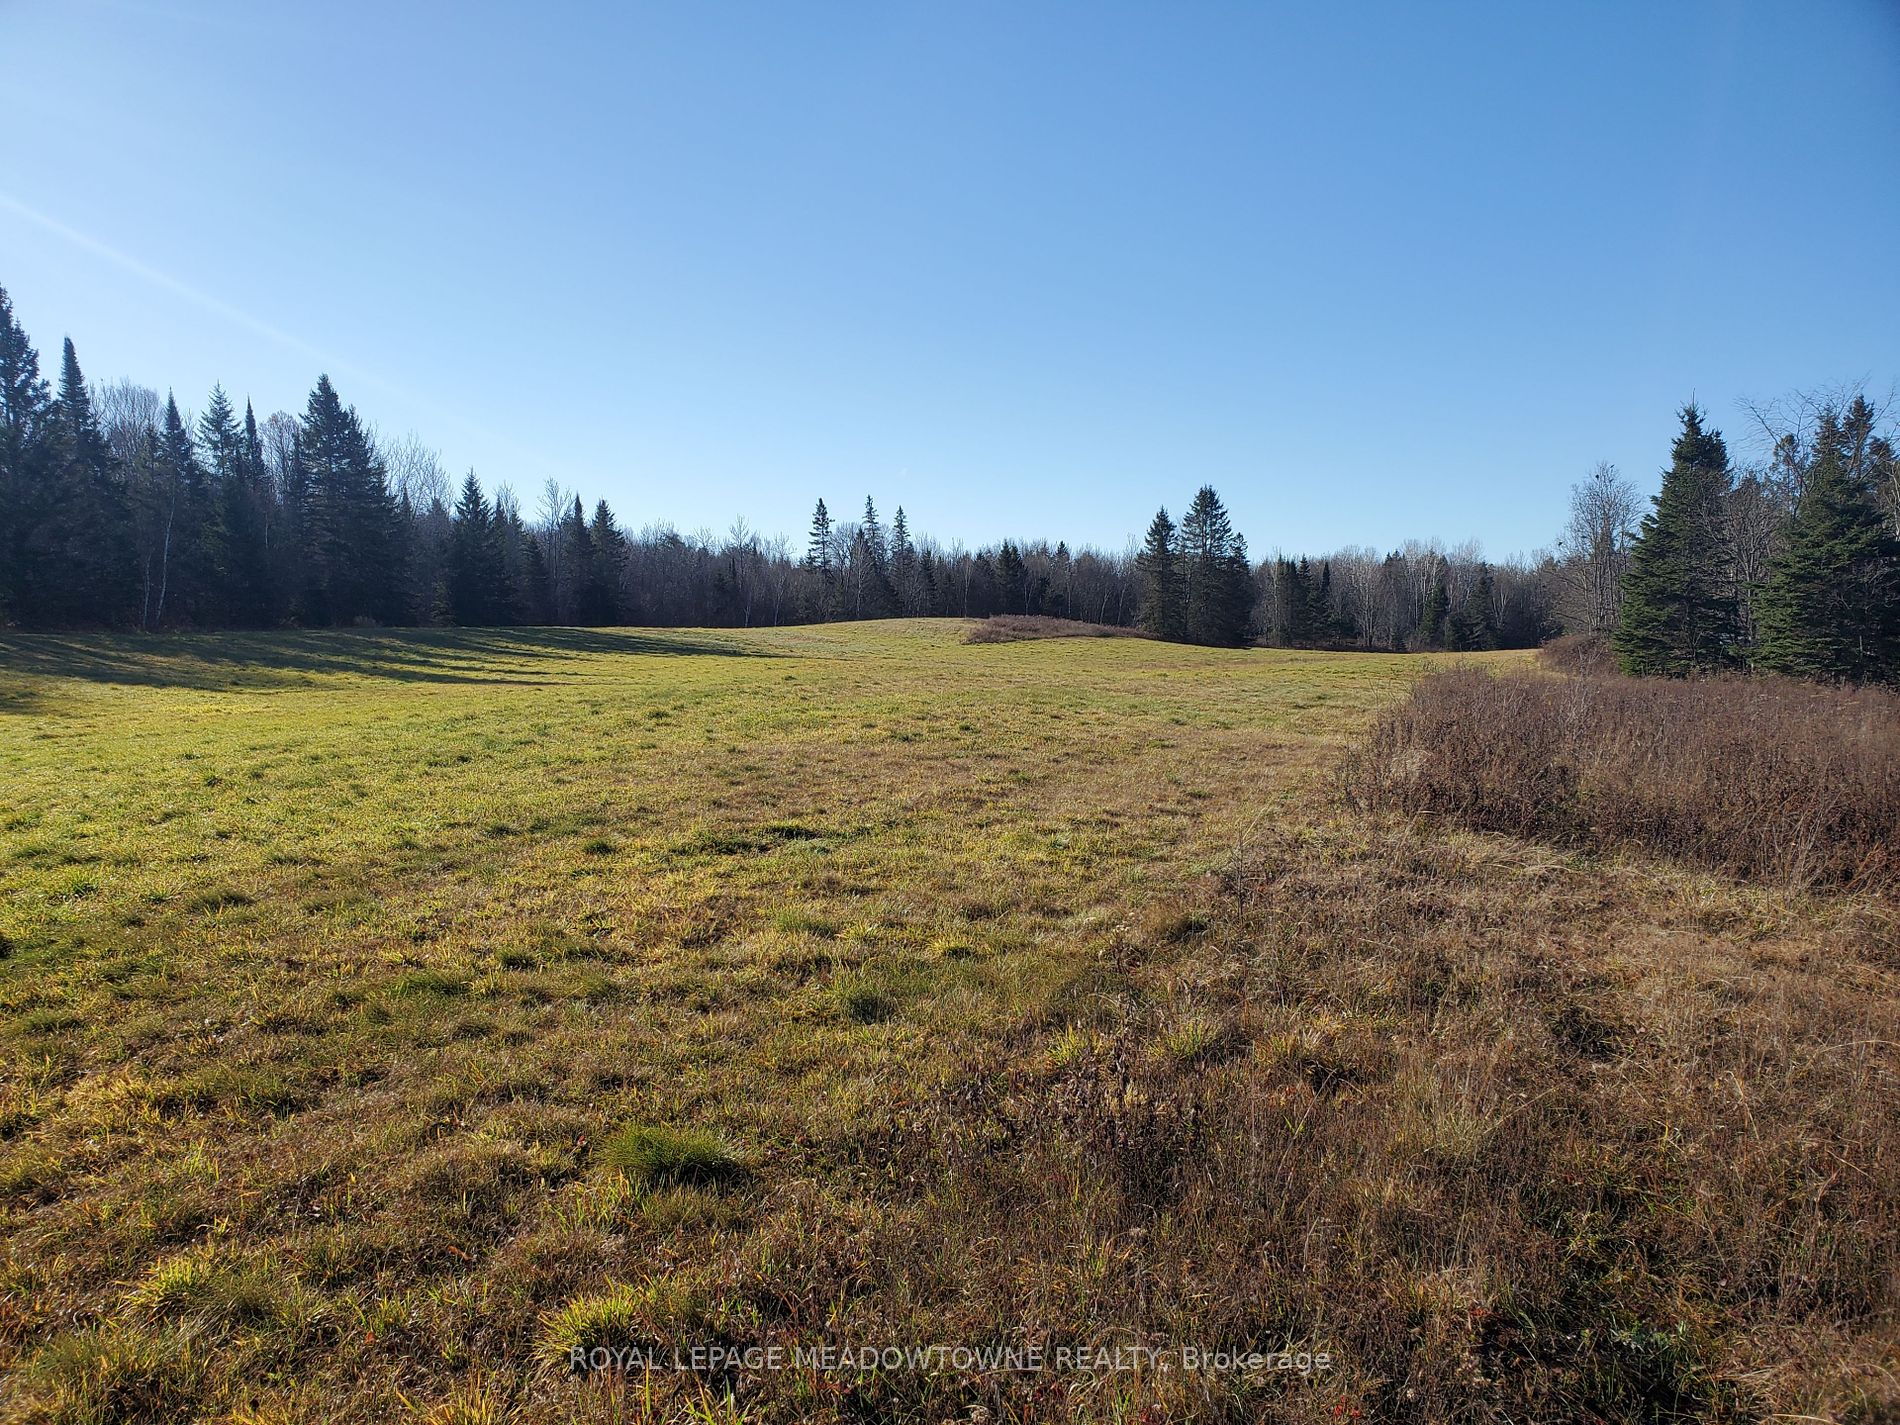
x: 430, y: 984
x: 802, y: 922
x: 653, y: 1156
x: 49, y: 1021
x: 598, y: 846
x: 211, y: 902
x: 243, y: 1086
x: 622, y: 1315
x: 1193, y: 1040
x: 863, y: 1000
x: 116, y: 1373
x: 469, y: 1180
x: 198, y: 1289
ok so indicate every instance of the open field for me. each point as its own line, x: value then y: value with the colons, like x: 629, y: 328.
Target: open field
x: 384, y: 1015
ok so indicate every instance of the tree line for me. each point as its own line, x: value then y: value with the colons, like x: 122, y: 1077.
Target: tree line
x: 119, y: 511
x: 1789, y: 566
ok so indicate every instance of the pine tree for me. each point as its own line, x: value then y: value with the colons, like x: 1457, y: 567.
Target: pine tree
x: 24, y: 411
x: 1010, y: 579
x: 184, y: 583
x: 1831, y: 607
x: 1292, y: 603
x: 82, y: 543
x: 356, y: 570
x: 1680, y: 614
x: 873, y: 534
x: 471, y: 572
x: 903, y: 565
x: 603, y: 585
x: 250, y: 598
x: 818, y: 546
x: 1217, y: 584
x: 1159, y: 567
x: 232, y: 538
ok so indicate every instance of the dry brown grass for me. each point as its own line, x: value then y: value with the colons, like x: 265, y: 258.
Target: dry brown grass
x: 1758, y: 777
x: 1085, y: 1020
x: 1578, y: 653
x: 1015, y: 628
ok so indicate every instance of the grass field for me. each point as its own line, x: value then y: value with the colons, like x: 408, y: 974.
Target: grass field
x: 385, y: 1015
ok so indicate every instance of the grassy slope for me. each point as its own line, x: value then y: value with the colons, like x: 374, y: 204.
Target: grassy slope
x: 1035, y: 987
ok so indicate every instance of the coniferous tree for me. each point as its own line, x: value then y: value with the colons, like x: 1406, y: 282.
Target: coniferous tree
x: 903, y: 566
x: 234, y: 539
x: 1680, y: 614
x: 1292, y: 609
x: 1160, y: 569
x: 818, y: 545
x: 1217, y: 583
x: 609, y: 557
x: 1010, y: 579
x: 472, y: 566
x: 185, y: 578
x: 537, y: 591
x: 1319, y: 607
x: 24, y: 411
x: 873, y: 534
x: 355, y: 563
x: 83, y: 540
x: 820, y: 598
x: 1831, y: 607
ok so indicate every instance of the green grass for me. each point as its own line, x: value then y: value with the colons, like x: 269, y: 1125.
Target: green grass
x: 332, y: 967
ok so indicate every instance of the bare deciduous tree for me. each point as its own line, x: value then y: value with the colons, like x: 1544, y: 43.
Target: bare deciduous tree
x: 1594, y: 548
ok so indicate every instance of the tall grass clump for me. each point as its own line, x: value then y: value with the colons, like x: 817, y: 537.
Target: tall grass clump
x: 653, y: 1156
x: 1017, y: 628
x: 1761, y: 778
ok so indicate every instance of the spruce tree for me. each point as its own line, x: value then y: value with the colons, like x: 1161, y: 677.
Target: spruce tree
x: 610, y: 556
x: 1158, y: 565
x: 247, y: 510
x: 1292, y: 603
x: 356, y: 567
x: 24, y: 410
x: 82, y: 543
x: 185, y: 589
x: 1831, y: 607
x: 1217, y: 584
x: 1680, y: 614
x: 903, y: 565
x: 873, y: 533
x: 818, y: 544
x: 1319, y: 617
x: 577, y: 564
x: 1010, y: 580
x: 471, y: 565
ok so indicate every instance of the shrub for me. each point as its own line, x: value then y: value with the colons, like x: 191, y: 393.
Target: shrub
x: 1578, y: 653
x: 1761, y: 778
x: 653, y: 1156
x: 1013, y: 628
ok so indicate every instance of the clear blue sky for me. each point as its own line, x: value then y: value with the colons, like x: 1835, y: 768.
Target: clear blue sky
x: 1373, y: 270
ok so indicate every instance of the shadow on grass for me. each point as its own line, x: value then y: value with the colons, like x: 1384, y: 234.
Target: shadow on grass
x: 232, y: 661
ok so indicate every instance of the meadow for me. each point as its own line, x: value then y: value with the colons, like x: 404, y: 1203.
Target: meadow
x: 386, y: 1017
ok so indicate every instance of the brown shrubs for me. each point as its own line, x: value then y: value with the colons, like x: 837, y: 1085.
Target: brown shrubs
x: 1760, y: 778
x: 1015, y: 628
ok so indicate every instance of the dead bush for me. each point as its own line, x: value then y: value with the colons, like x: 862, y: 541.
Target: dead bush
x: 1761, y: 778
x: 1014, y: 628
